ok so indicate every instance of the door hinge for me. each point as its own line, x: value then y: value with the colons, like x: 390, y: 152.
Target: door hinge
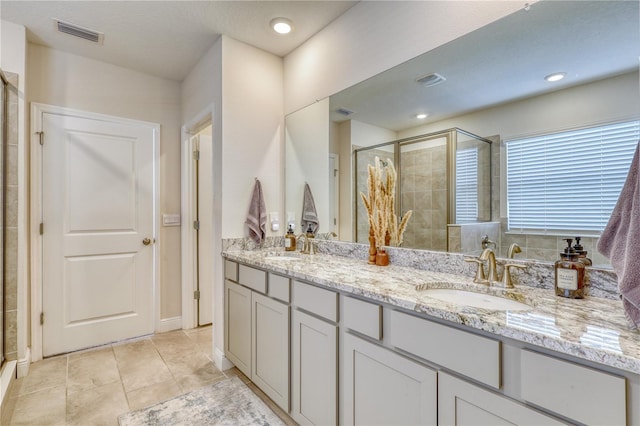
x: 196, y: 155
x: 196, y: 294
x: 41, y: 318
x: 41, y: 136
x: 196, y: 225
x: 41, y: 228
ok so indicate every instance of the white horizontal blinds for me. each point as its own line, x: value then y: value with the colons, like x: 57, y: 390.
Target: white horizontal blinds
x: 568, y: 181
x: 467, y: 185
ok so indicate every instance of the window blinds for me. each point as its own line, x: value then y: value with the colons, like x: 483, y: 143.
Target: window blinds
x: 568, y: 181
x: 467, y: 185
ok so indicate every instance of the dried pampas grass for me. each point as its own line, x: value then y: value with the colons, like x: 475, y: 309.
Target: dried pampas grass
x: 380, y: 204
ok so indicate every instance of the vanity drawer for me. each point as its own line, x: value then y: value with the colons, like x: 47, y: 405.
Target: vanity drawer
x: 279, y: 287
x: 466, y: 353
x: 253, y: 278
x: 579, y: 393
x: 231, y: 270
x: 363, y: 317
x: 316, y: 300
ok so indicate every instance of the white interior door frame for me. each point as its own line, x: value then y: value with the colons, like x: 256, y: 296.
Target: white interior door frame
x: 188, y: 241
x: 37, y: 111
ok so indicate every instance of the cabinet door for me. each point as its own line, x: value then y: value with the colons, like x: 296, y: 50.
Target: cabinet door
x: 314, y: 370
x: 270, y: 365
x: 384, y: 388
x: 461, y: 403
x: 237, y: 322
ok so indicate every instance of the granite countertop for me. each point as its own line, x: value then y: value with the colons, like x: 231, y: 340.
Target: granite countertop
x: 593, y: 328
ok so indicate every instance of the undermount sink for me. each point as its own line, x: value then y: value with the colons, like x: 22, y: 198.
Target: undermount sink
x: 281, y: 257
x: 476, y: 300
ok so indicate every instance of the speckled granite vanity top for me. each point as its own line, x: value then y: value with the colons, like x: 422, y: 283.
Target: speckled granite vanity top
x: 593, y: 328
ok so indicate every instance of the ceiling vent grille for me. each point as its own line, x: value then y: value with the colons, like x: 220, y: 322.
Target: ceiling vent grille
x: 344, y: 111
x: 77, y: 31
x: 430, y: 79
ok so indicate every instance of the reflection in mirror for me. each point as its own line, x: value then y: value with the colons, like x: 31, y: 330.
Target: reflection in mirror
x: 494, y: 88
x: 444, y: 177
x: 308, y: 161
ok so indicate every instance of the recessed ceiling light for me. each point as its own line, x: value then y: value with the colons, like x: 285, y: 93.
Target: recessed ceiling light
x: 282, y: 25
x: 421, y: 116
x: 556, y: 76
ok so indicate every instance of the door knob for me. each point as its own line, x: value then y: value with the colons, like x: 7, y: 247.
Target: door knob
x: 146, y: 241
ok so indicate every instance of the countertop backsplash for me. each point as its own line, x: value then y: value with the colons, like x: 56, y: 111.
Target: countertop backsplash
x: 601, y: 282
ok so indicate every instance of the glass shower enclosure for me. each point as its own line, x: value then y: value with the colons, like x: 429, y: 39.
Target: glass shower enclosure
x: 444, y: 177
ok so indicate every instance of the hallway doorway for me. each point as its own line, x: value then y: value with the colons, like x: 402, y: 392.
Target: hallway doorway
x: 198, y: 222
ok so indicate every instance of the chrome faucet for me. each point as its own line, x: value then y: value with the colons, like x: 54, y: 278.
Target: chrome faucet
x: 488, y: 255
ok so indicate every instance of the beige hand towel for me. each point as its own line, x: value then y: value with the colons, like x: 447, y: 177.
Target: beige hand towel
x: 620, y: 242
x: 309, y: 214
x: 257, y: 216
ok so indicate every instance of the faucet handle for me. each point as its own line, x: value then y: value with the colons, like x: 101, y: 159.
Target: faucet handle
x: 507, y: 282
x: 486, y: 242
x: 480, y: 277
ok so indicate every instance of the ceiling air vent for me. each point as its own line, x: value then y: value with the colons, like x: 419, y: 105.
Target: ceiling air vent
x: 77, y: 31
x: 430, y: 79
x: 344, y: 111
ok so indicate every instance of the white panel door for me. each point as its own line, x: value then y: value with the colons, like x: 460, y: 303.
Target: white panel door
x: 98, y: 197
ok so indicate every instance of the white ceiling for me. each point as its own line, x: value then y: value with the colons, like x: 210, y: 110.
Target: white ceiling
x: 503, y: 62
x: 167, y: 38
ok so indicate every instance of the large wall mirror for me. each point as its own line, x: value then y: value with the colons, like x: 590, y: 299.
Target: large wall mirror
x: 490, y: 83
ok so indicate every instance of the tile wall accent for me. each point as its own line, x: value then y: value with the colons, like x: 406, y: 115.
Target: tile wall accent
x: 11, y: 235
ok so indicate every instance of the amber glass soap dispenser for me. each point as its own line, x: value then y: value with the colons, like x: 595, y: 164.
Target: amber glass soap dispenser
x: 569, y: 274
x: 290, y: 240
x: 582, y: 253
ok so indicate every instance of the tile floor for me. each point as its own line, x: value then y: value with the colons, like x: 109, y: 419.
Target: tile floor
x: 94, y: 387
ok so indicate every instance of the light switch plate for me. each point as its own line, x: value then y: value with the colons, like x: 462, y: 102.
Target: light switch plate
x: 274, y: 219
x: 170, y: 219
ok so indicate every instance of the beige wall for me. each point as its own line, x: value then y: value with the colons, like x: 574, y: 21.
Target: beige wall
x: 372, y: 37
x: 63, y: 79
x: 307, y: 146
x: 241, y: 86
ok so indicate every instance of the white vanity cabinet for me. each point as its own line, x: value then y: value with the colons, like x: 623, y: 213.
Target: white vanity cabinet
x: 314, y: 341
x: 461, y: 403
x: 332, y: 357
x: 270, y: 346
x: 257, y: 330
x: 237, y: 324
x: 382, y: 387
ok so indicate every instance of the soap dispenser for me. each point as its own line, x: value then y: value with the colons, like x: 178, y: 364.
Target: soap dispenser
x: 290, y: 240
x: 569, y: 274
x: 582, y: 253
x: 310, y: 233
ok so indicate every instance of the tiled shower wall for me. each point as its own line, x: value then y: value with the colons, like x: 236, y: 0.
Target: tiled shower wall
x: 424, y: 190
x: 11, y: 231
x: 364, y: 159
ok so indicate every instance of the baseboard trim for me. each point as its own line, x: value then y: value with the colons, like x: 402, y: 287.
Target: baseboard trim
x: 24, y: 363
x: 169, y: 324
x: 221, y: 361
x: 7, y: 376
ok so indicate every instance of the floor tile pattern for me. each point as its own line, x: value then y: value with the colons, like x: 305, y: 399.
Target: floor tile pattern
x: 95, y: 386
